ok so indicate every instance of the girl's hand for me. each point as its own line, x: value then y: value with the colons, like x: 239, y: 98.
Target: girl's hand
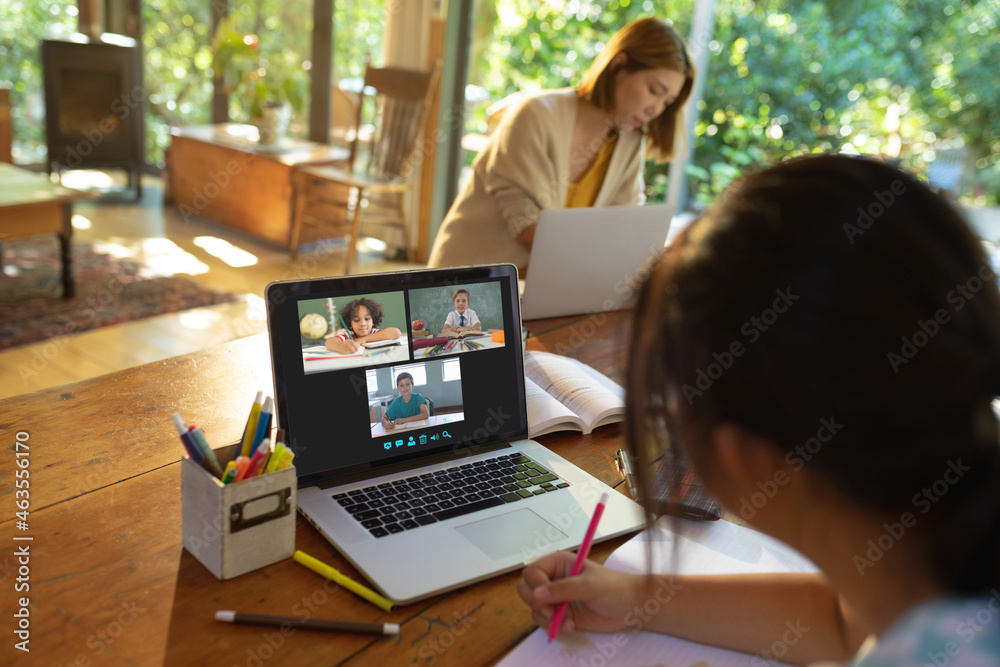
x: 600, y: 599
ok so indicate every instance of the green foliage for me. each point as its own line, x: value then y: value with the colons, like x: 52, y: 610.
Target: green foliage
x: 357, y: 32
x: 22, y: 26
x: 889, y: 77
x: 177, y: 68
x: 257, y: 77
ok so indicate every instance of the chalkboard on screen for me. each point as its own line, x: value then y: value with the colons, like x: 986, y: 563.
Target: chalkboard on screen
x: 433, y: 304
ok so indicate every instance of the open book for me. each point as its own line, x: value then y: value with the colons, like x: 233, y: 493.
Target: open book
x: 564, y: 394
x: 462, y: 334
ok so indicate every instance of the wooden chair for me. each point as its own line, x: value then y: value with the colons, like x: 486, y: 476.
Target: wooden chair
x: 333, y: 199
x: 343, y: 117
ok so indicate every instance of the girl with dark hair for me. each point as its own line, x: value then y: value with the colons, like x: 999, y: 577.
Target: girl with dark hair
x: 861, y: 319
x: 574, y: 147
x: 363, y: 316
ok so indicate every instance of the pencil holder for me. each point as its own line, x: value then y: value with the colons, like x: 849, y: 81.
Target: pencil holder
x: 238, y: 527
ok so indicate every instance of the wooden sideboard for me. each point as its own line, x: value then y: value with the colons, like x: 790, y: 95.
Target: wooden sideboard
x: 221, y: 173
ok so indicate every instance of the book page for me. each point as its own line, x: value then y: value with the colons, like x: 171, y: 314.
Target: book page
x: 320, y: 352
x: 546, y: 414
x: 392, y: 342
x: 587, y: 393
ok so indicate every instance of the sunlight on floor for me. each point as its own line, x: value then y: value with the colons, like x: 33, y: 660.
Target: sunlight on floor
x: 373, y: 244
x: 199, y: 318
x: 81, y: 222
x: 226, y: 251
x: 159, y: 257
x: 86, y: 179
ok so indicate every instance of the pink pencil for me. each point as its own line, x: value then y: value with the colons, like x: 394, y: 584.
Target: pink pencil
x: 577, y: 568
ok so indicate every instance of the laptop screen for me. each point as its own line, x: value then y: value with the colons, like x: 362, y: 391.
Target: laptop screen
x: 383, y: 369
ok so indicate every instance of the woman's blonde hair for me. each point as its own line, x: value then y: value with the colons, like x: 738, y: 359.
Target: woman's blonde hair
x: 648, y: 43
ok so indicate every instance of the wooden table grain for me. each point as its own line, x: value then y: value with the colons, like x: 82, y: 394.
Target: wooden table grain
x: 110, y: 584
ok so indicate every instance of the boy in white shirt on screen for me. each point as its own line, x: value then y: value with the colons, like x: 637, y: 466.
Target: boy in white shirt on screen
x: 462, y: 318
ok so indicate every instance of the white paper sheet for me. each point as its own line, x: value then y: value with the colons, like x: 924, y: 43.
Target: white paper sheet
x: 715, y: 547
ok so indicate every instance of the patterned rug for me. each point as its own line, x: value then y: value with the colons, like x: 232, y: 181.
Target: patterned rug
x: 109, y: 290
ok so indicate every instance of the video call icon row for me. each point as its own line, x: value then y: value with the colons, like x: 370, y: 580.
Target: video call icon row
x: 412, y: 441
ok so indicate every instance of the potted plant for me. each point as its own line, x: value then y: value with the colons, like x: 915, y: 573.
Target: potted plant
x: 267, y: 88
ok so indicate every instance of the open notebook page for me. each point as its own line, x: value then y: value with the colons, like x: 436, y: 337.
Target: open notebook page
x: 715, y: 547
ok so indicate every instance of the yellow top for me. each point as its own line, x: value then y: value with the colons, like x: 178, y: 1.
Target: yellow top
x: 583, y: 193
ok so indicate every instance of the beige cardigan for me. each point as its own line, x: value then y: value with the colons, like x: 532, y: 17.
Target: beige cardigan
x: 524, y: 169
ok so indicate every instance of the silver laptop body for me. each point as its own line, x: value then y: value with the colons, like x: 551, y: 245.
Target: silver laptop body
x: 326, y: 417
x: 592, y: 260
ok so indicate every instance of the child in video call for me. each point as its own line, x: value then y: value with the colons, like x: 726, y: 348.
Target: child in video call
x: 462, y: 318
x: 363, y: 317
x: 407, y: 407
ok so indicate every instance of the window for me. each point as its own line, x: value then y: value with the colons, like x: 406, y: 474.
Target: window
x: 418, y: 372
x: 451, y: 370
x: 372, y: 381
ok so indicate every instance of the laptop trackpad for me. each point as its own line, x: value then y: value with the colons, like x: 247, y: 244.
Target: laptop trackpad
x: 521, y: 531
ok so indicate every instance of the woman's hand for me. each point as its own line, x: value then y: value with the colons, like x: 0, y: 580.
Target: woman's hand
x: 600, y: 599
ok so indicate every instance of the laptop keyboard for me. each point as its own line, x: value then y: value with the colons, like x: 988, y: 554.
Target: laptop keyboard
x: 405, y: 504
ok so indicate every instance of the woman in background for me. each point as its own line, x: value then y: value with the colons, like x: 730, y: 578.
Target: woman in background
x: 885, y: 350
x: 573, y: 147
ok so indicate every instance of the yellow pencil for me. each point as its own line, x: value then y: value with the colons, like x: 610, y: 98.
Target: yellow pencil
x: 322, y: 569
x: 251, y: 427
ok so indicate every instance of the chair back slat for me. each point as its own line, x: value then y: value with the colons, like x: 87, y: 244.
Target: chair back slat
x: 401, y: 101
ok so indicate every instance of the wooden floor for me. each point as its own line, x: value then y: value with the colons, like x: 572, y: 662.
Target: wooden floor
x: 165, y: 243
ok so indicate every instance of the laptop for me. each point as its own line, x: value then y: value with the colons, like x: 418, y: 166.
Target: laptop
x: 442, y: 489
x: 592, y: 260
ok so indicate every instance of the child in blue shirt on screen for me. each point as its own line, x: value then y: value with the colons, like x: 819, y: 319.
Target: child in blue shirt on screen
x: 462, y: 318
x: 407, y: 407
x: 363, y: 317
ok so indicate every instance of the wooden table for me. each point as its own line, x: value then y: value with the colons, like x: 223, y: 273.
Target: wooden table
x: 31, y: 204
x: 110, y: 583
x: 221, y: 173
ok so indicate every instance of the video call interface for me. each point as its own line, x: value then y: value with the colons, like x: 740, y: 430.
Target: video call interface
x: 387, y: 376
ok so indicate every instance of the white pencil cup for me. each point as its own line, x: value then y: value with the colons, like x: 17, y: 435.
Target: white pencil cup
x: 238, y: 527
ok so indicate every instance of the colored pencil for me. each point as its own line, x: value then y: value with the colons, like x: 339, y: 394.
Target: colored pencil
x: 581, y: 557
x: 228, y: 616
